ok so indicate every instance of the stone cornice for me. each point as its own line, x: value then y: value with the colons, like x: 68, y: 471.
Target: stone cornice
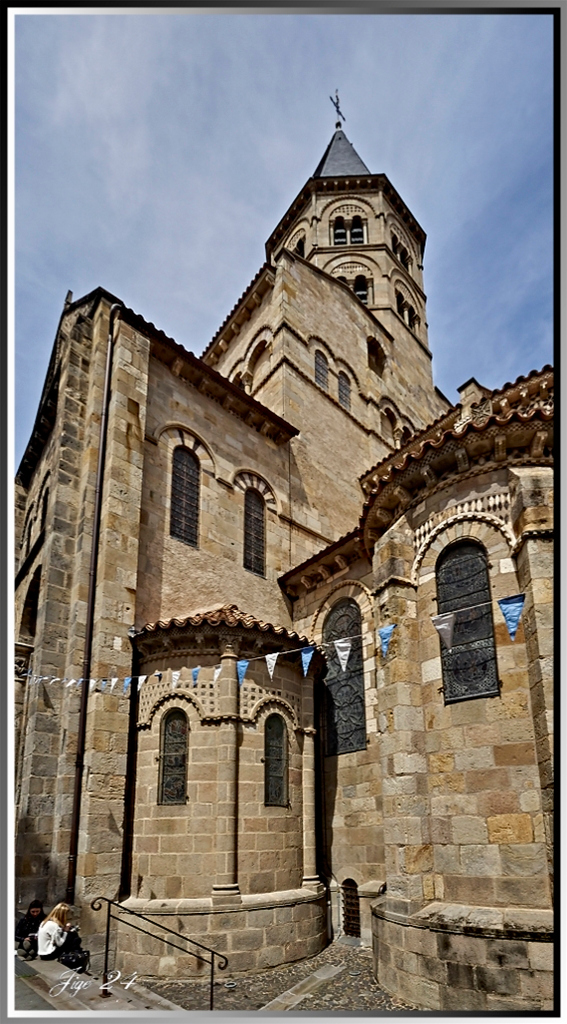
x: 248, y: 302
x: 519, y: 437
x: 324, y: 567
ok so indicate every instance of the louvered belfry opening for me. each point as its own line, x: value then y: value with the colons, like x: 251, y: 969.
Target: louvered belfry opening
x: 351, y: 908
x: 184, y: 519
x: 173, y: 775
x: 254, y: 532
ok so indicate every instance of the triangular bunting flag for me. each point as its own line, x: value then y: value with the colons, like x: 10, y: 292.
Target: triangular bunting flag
x: 127, y: 682
x: 342, y: 648
x: 444, y: 624
x: 195, y: 673
x: 512, y: 608
x: 103, y: 683
x: 271, y: 663
x: 71, y: 682
x: 241, y: 667
x: 56, y: 679
x: 175, y: 678
x: 113, y: 683
x: 141, y: 681
x: 306, y: 655
x: 385, y: 634
x: 92, y: 684
x: 217, y: 672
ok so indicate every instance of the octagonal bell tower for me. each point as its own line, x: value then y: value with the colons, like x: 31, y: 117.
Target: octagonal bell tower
x: 353, y: 225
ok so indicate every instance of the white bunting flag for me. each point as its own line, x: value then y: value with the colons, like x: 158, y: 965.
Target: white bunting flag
x: 444, y: 624
x: 113, y: 683
x: 56, y: 679
x: 71, y: 682
x: 271, y: 663
x: 175, y: 678
x: 342, y: 648
x: 216, y: 673
x: 141, y: 681
x: 92, y: 684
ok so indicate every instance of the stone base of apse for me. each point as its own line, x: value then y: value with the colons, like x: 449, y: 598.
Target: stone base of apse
x: 260, y: 931
x: 454, y: 957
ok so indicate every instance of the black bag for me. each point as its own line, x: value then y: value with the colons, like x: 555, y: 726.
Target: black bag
x: 77, y: 960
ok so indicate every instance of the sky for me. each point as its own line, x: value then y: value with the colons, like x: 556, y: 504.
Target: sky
x: 156, y: 152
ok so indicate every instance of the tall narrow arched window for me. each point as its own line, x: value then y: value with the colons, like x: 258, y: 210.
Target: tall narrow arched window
x: 400, y: 304
x: 463, y: 587
x: 184, y: 518
x: 344, y: 390
x: 321, y: 369
x: 361, y: 288
x: 254, y: 532
x: 339, y: 232
x: 300, y: 247
x: 172, y: 787
x: 356, y: 232
x: 28, y: 621
x: 275, y: 762
x: 44, y: 504
x: 344, y: 690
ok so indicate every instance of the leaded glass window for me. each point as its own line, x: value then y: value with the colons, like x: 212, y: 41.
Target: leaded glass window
x: 173, y: 758
x: 275, y: 762
x: 344, y: 691
x: 469, y: 668
x: 184, y: 518
x: 254, y: 532
x: 321, y: 370
x: 344, y: 390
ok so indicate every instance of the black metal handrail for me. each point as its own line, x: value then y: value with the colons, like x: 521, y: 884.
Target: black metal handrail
x: 96, y: 904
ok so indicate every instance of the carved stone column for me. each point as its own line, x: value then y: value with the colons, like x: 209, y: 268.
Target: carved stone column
x: 310, y: 877
x: 226, y: 879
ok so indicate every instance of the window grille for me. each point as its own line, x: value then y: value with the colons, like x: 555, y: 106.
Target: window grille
x: 254, y: 532
x: 469, y: 669
x: 321, y: 370
x: 351, y: 908
x: 344, y: 390
x: 173, y: 760
x: 361, y: 288
x: 184, y: 519
x: 275, y: 762
x: 356, y: 232
x: 344, y: 691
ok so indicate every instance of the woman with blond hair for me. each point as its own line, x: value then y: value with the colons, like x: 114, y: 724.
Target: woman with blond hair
x: 56, y: 935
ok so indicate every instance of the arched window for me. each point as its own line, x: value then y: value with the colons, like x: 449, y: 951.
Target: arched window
x: 351, y: 908
x: 27, y: 542
x: 356, y: 232
x: 321, y: 369
x: 275, y: 762
x: 44, y: 504
x: 404, y: 257
x: 29, y: 615
x: 254, y: 532
x: 413, y: 318
x: 469, y: 668
x: 361, y: 288
x: 376, y: 356
x: 344, y: 691
x: 339, y: 232
x: 400, y: 304
x: 387, y: 424
x: 395, y: 244
x: 184, y: 518
x: 300, y: 247
x: 173, y: 758
x: 344, y: 390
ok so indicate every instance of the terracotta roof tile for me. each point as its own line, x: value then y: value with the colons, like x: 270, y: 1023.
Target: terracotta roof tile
x: 227, y: 615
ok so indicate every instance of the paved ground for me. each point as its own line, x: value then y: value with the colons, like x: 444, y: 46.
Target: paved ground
x: 337, y: 980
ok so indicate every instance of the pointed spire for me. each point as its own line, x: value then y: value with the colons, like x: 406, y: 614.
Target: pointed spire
x: 340, y: 158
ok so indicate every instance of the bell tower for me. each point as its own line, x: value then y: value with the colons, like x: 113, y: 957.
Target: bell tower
x: 353, y: 225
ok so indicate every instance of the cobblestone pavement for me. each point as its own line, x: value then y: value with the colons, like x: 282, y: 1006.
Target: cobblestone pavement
x: 353, y: 989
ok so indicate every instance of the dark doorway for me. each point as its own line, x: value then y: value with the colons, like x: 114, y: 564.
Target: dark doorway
x: 351, y: 908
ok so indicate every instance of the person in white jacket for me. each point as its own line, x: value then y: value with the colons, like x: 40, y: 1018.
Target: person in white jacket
x: 55, y: 935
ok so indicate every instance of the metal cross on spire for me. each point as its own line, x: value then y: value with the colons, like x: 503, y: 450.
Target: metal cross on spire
x: 335, y: 103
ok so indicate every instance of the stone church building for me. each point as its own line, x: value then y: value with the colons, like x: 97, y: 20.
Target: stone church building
x: 302, y: 482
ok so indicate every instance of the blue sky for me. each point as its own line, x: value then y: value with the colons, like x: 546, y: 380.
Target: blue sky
x: 155, y: 153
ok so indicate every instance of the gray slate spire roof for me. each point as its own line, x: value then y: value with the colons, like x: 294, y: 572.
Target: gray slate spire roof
x: 340, y: 159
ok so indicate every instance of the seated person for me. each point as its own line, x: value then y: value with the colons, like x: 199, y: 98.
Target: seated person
x: 56, y: 935
x: 26, y: 930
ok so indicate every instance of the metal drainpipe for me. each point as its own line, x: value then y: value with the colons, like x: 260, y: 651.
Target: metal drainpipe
x: 80, y: 759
